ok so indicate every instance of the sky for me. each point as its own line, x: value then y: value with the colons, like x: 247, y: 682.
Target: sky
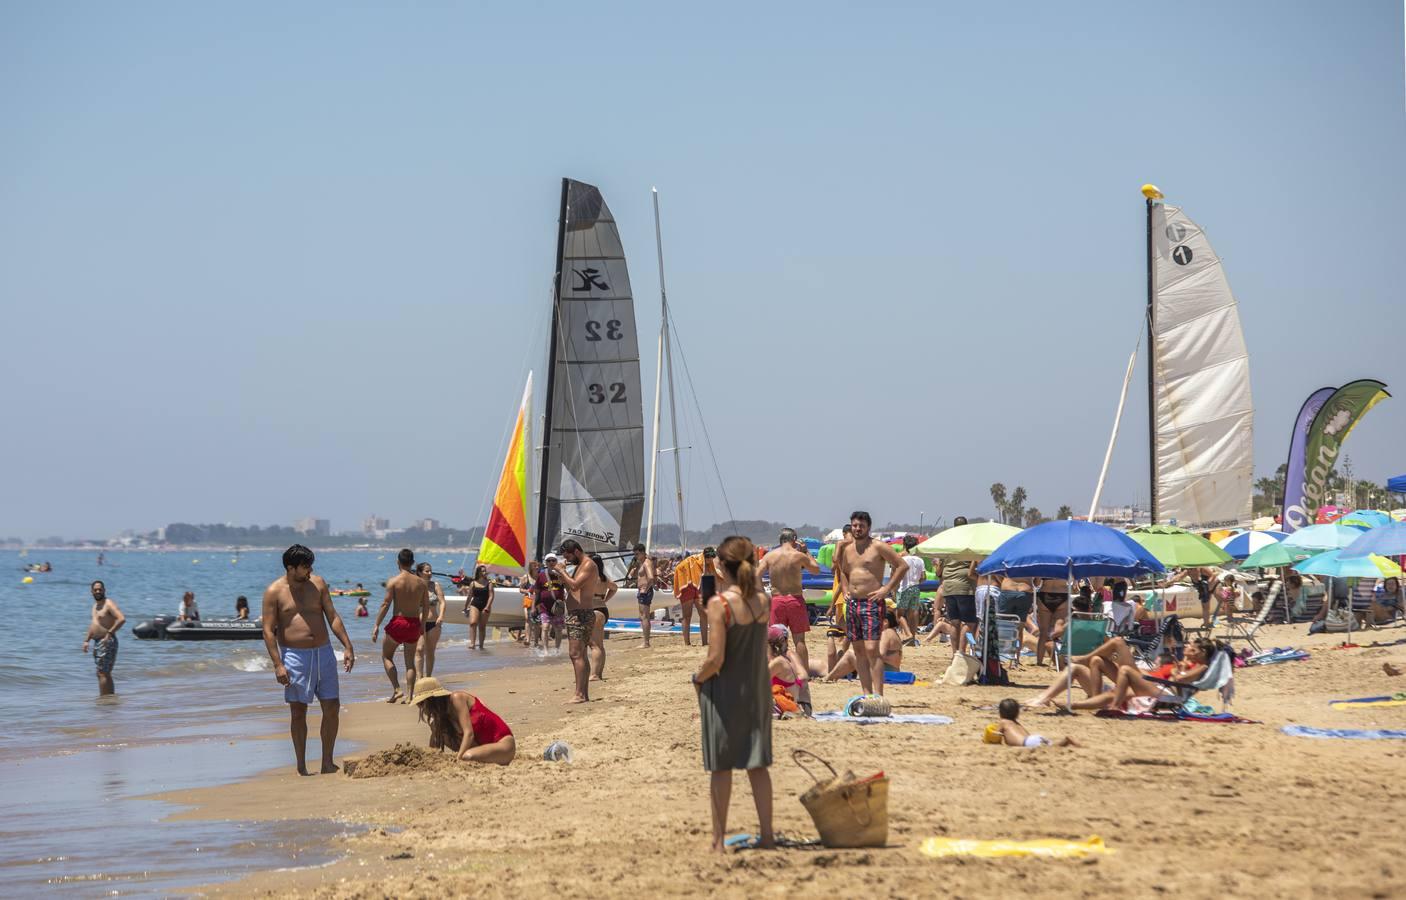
x: 263, y: 261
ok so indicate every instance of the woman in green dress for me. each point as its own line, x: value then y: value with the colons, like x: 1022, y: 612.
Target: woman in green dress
x: 734, y: 697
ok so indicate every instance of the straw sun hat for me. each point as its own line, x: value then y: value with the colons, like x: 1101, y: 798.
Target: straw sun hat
x: 428, y: 687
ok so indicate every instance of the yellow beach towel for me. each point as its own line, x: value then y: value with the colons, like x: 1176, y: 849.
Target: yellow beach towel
x: 1049, y: 848
x: 1397, y: 699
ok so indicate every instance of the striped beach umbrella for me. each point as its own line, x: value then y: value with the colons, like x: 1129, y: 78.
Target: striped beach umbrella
x: 1240, y: 546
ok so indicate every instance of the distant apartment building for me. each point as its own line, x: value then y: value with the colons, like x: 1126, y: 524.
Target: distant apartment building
x: 428, y: 524
x: 374, y: 524
x: 314, y: 527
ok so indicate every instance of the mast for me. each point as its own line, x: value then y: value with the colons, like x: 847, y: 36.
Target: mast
x: 1152, y: 194
x: 666, y: 350
x: 658, y: 380
x: 541, y: 549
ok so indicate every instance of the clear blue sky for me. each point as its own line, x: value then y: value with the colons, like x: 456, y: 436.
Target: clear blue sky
x: 260, y: 261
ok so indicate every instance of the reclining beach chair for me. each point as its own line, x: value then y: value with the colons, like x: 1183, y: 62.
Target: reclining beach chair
x: 1238, y: 629
x: 1009, y: 632
x: 1219, y: 676
x: 1166, y: 633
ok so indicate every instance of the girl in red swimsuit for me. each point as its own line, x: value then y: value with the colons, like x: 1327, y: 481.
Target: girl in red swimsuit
x: 459, y: 721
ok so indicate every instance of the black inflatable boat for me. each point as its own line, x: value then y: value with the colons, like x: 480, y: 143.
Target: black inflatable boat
x: 169, y: 628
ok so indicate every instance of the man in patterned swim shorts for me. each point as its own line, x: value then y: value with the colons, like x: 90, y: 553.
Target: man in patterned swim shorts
x: 102, y: 629
x: 861, y: 569
x: 581, y: 586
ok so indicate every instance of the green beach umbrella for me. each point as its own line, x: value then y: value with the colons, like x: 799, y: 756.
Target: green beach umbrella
x: 1274, y: 556
x: 1177, y: 548
x: 975, y: 541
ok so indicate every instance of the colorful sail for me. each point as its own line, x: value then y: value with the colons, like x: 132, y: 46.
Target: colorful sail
x: 1203, y: 410
x: 593, y: 455
x: 505, y: 539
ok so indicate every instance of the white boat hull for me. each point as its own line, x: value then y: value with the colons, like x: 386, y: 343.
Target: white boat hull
x: 507, y: 607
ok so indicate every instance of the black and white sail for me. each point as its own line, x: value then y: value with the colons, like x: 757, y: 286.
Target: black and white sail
x: 593, y: 477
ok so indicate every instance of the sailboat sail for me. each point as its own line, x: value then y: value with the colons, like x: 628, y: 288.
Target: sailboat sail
x: 593, y: 458
x: 505, y: 544
x: 1204, y: 446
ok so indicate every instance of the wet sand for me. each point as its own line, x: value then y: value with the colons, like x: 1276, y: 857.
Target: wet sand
x: 1193, y: 809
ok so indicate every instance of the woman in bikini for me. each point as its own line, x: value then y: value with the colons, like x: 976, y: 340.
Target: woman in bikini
x: 460, y: 722
x: 477, y: 606
x: 1051, y: 597
x: 425, y: 647
x: 600, y: 605
x: 786, y: 669
x: 1132, y: 690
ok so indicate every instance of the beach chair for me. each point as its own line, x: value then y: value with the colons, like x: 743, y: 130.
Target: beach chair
x: 1155, y: 635
x: 1219, y: 676
x: 1085, y: 633
x: 1009, y: 632
x: 1238, y: 629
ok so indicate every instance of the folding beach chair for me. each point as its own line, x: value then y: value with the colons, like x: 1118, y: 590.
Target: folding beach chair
x: 1085, y: 633
x: 1009, y: 631
x: 1238, y: 629
x: 1219, y: 676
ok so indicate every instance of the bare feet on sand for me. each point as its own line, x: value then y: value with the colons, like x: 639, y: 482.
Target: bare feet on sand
x: 329, y: 768
x: 396, y: 697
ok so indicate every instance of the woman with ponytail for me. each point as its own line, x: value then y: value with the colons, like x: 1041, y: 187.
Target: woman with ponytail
x: 734, y: 697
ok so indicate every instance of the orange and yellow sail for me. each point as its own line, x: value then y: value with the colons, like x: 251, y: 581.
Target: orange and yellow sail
x: 505, y: 539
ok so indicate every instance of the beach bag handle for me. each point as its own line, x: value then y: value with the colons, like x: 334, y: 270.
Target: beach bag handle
x: 796, y: 758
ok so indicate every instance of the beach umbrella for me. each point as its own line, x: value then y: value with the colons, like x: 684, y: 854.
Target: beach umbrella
x: 834, y: 534
x: 975, y: 541
x: 1070, y: 549
x: 1242, y: 545
x: 1275, y: 555
x: 1397, y: 485
x: 1323, y: 537
x: 1334, y: 564
x: 1365, y: 518
x: 1388, y: 540
x: 1178, y: 548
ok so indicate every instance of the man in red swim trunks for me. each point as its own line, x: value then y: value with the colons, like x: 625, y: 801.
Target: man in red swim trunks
x: 788, y: 604
x: 409, y: 595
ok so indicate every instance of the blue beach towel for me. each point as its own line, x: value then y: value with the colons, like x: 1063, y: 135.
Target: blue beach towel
x: 1276, y: 655
x: 1353, y: 734
x: 838, y: 715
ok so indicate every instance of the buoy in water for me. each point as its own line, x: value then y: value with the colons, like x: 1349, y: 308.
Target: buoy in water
x: 28, y: 579
x: 194, y: 561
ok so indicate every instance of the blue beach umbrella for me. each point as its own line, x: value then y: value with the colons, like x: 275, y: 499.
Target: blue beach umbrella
x: 1397, y: 485
x: 1365, y: 518
x: 1388, y: 540
x: 1323, y: 537
x: 1334, y: 565
x: 1071, y: 549
x: 1240, y: 546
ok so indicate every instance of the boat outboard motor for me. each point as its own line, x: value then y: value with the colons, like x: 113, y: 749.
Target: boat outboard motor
x: 155, y: 629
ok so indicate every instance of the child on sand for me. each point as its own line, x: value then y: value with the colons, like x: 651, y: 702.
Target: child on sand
x: 1008, y: 730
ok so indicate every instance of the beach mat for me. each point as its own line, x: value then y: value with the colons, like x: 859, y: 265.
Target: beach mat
x: 1397, y: 699
x: 632, y: 626
x: 838, y: 715
x: 1179, y: 716
x: 890, y: 678
x: 1044, y: 848
x: 783, y: 842
x: 1351, y: 734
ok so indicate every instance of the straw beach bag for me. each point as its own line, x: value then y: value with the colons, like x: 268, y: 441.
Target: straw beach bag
x: 847, y: 811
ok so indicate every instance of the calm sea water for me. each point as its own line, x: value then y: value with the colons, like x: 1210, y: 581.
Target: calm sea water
x: 74, y: 766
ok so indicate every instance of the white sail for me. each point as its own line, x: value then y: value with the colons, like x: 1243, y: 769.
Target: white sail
x: 1201, y: 383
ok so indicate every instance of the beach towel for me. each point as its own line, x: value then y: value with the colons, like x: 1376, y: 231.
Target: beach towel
x: 1353, y: 734
x: 1045, y: 848
x: 753, y: 841
x: 899, y: 678
x: 1276, y: 655
x: 838, y: 715
x: 1180, y: 716
x: 1397, y: 699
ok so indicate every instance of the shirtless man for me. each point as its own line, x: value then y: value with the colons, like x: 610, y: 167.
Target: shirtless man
x: 860, y: 565
x: 298, y: 611
x: 410, y: 596
x: 581, y: 587
x: 788, y: 604
x: 644, y: 581
x: 103, y: 627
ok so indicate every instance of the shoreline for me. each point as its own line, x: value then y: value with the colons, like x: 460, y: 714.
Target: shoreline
x: 1198, y: 809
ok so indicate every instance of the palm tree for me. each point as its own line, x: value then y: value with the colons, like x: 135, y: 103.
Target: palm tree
x: 1065, y: 512
x: 998, y: 496
x: 1016, y: 508
x: 1033, y: 517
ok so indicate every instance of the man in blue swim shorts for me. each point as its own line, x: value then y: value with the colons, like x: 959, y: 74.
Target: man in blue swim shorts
x: 298, y: 613
x: 643, y: 570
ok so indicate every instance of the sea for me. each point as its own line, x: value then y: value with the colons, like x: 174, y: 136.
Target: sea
x: 78, y: 772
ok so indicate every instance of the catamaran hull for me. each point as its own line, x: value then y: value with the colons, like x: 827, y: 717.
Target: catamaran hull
x: 507, y: 607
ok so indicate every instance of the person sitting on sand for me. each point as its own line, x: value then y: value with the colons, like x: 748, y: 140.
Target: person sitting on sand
x: 1132, y: 690
x: 460, y: 722
x: 890, y: 651
x: 1008, y: 730
x: 786, y: 668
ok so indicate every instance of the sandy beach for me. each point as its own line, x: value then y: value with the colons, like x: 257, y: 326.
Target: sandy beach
x: 1193, y: 809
